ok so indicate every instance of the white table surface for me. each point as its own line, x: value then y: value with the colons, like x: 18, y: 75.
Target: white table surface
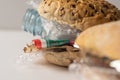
x: 11, y: 45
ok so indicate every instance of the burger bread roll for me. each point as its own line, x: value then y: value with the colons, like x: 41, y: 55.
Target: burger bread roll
x: 79, y: 14
x: 101, y: 40
x: 61, y: 56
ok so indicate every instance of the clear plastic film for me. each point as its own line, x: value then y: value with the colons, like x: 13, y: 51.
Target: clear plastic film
x: 84, y: 71
x: 33, y: 3
x: 54, y: 30
x: 26, y: 58
x: 37, y: 25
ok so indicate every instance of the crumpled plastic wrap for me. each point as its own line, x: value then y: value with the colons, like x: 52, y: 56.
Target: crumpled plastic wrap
x: 87, y: 72
x: 54, y: 30
x: 33, y: 3
x: 37, y: 25
x: 28, y: 58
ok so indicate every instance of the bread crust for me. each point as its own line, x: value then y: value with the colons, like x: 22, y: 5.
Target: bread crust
x: 79, y: 14
x: 62, y: 56
x: 102, y: 40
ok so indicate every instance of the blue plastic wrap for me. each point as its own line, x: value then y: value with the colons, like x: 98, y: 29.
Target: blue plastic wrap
x: 37, y: 25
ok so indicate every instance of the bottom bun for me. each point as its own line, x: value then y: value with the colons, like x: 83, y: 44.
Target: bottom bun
x: 61, y: 56
x: 101, y: 40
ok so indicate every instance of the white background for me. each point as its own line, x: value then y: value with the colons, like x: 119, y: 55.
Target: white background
x: 12, y: 11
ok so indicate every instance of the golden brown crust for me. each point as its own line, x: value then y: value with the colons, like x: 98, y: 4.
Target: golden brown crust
x: 101, y: 40
x: 62, y: 56
x: 79, y: 14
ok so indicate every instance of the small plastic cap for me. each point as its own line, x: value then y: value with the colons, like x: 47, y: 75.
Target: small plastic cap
x: 37, y: 43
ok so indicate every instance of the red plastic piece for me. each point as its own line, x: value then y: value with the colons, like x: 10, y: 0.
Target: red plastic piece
x: 37, y: 43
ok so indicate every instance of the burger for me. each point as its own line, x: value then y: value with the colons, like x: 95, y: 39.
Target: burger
x: 79, y: 15
x: 100, y: 46
x: 98, y: 41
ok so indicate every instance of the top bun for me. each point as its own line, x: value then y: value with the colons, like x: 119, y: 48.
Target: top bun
x: 79, y: 14
x: 102, y: 40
